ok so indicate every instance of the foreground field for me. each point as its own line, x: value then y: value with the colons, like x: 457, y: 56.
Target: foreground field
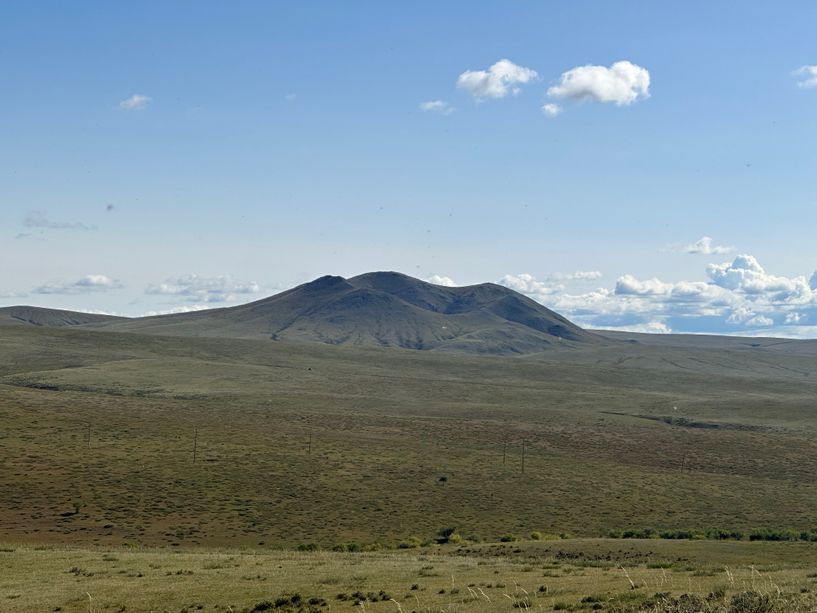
x: 545, y: 576
x: 298, y: 444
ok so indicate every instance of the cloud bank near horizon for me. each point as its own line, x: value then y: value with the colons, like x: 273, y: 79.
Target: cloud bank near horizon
x: 740, y: 297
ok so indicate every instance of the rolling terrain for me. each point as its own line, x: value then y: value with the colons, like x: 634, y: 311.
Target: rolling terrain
x: 177, y: 455
x: 382, y: 309
x: 308, y: 442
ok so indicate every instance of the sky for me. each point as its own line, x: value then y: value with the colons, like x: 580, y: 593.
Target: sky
x: 632, y: 165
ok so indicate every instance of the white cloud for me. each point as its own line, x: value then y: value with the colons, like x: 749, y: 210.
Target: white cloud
x: 651, y: 327
x: 793, y: 318
x: 498, y: 81
x: 186, y: 308
x: 703, y: 246
x: 740, y: 297
x: 39, y: 219
x: 746, y: 274
x: 809, y: 76
x: 444, y: 281
x: 204, y: 289
x: 813, y: 281
x: 437, y: 106
x: 85, y: 285
x: 137, y: 102
x: 13, y: 295
x: 526, y: 283
x: 551, y: 109
x: 581, y: 275
x: 629, y: 285
x: 622, y: 83
x: 291, y: 97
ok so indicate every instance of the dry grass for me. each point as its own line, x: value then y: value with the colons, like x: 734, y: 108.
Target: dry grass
x: 569, y: 575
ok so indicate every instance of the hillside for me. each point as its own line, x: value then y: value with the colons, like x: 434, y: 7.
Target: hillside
x: 308, y: 442
x: 49, y: 318
x: 382, y: 309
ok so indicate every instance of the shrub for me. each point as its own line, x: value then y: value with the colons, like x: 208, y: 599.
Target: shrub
x: 751, y: 602
x: 507, y: 538
x: 723, y: 535
x: 448, y: 535
x: 409, y: 543
x: 765, y: 534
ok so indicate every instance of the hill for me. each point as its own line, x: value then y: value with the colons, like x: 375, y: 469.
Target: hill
x: 50, y: 318
x: 381, y: 309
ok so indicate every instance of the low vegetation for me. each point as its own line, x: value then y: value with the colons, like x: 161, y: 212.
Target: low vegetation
x: 562, y: 575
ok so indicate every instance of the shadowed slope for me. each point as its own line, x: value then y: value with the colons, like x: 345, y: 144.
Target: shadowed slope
x: 52, y: 318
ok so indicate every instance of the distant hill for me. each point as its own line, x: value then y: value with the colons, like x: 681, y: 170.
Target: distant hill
x: 380, y: 309
x: 50, y: 318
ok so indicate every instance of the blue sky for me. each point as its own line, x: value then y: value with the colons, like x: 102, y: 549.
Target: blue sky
x: 174, y: 155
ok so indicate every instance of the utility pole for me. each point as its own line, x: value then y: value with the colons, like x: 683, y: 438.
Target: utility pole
x: 195, y: 443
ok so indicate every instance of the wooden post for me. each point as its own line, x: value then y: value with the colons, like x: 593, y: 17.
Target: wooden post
x: 504, y: 447
x: 523, y: 456
x: 195, y: 443
x: 88, y: 436
x: 309, y: 446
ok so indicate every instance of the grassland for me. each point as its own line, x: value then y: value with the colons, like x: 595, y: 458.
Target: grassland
x: 403, y: 443
x: 305, y: 444
x: 576, y: 575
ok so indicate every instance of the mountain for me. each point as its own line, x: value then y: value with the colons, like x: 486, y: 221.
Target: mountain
x: 380, y: 309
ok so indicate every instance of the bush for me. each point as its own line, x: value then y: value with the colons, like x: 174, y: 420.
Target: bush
x: 765, y: 534
x: 724, y: 535
x: 409, y: 543
x: 308, y: 547
x: 646, y: 533
x: 507, y: 538
x: 751, y: 602
x: 448, y: 535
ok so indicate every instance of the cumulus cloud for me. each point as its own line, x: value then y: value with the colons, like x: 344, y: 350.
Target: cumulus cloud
x: 581, y: 275
x: 629, y: 285
x: 498, y: 81
x: 807, y: 76
x: 622, y: 83
x: 793, y: 318
x: 85, y: 285
x: 185, y: 308
x: 194, y: 288
x: 437, y: 106
x: 551, y: 109
x: 650, y: 327
x: 746, y: 274
x: 703, y: 246
x: 739, y: 297
x: 439, y: 280
x: 137, y: 102
x: 39, y: 219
